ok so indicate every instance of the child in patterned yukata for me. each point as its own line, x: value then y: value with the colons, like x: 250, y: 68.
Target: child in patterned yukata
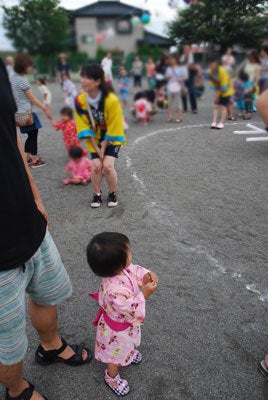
x: 68, y: 128
x: 121, y: 297
x: 78, y: 169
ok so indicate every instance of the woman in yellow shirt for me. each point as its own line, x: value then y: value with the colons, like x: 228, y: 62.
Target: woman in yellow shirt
x: 99, y: 119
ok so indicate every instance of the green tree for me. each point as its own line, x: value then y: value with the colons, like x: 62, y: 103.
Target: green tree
x: 222, y: 22
x: 37, y: 26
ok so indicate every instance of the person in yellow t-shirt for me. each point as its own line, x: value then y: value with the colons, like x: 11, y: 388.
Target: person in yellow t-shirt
x: 221, y: 83
x: 99, y: 119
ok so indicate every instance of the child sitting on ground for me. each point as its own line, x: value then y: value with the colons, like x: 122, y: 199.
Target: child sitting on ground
x: 78, y: 169
x: 68, y: 128
x: 46, y: 95
x: 121, y: 297
x: 143, y: 110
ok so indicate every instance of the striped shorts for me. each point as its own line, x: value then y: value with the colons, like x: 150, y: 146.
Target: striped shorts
x: 46, y: 282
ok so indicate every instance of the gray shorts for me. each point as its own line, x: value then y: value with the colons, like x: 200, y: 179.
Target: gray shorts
x: 45, y: 280
x: 174, y: 101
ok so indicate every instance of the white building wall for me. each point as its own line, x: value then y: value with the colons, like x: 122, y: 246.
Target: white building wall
x: 88, y: 26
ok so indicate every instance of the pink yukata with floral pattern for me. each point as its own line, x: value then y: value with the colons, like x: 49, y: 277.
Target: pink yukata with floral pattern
x: 122, y: 300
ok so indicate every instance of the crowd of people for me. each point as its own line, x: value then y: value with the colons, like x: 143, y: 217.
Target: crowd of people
x: 29, y: 259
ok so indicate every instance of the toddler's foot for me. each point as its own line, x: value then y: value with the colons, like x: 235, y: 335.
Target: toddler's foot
x: 137, y: 357
x: 118, y: 385
x: 66, y: 181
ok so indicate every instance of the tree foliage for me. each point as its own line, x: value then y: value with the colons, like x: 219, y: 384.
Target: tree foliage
x: 37, y: 26
x: 222, y: 22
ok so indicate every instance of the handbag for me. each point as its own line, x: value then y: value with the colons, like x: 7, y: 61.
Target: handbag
x: 24, y: 119
x: 174, y: 87
x: 184, y: 90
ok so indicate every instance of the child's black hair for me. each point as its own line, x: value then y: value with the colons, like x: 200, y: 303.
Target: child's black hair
x: 214, y: 58
x: 67, y: 111
x: 265, y: 49
x: 243, y: 76
x: 75, y: 152
x: 107, y: 253
x: 42, y: 80
x: 95, y: 72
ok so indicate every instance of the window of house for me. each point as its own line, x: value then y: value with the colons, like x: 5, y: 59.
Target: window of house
x: 123, y: 26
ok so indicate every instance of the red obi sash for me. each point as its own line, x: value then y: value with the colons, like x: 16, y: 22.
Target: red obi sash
x: 114, y: 325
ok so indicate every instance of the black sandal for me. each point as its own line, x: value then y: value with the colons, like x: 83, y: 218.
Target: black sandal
x: 263, y: 369
x: 25, y: 395
x: 43, y: 357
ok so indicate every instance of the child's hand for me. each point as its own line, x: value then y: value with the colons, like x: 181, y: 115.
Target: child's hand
x: 148, y: 289
x: 150, y: 277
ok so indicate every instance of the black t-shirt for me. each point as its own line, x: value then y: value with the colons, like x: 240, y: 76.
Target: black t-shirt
x: 63, y: 68
x: 22, y: 226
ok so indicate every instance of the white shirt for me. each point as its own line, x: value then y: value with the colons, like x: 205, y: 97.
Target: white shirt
x: 187, y: 59
x: 44, y: 91
x: 70, y: 88
x: 228, y: 61
x: 10, y: 71
x: 94, y: 102
x: 107, y: 64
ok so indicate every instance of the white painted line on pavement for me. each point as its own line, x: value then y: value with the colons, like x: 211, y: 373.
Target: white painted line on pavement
x: 214, y: 262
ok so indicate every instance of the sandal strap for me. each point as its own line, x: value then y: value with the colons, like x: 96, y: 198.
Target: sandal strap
x: 50, y: 355
x: 25, y: 395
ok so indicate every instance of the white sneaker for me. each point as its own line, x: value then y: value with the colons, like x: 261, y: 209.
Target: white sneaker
x: 96, y: 201
x: 220, y: 125
x: 213, y: 125
x: 112, y: 200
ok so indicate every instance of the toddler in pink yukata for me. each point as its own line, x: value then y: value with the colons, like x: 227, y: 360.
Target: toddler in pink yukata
x: 121, y: 297
x: 78, y: 169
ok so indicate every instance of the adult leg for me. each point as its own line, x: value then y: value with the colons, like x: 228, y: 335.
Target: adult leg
x: 110, y: 173
x: 179, y: 107
x: 216, y: 113
x: 192, y: 95
x: 96, y: 175
x: 262, y: 107
x: 223, y: 113
x: 170, y: 107
x: 33, y: 144
x: 184, y: 102
x: 12, y: 378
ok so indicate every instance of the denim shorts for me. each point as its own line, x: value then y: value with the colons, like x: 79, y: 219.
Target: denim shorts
x: 47, y: 283
x: 111, y: 151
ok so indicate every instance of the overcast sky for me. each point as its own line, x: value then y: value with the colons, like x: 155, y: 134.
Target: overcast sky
x: 160, y: 14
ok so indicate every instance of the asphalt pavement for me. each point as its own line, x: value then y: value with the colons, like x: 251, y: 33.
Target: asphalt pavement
x: 193, y: 202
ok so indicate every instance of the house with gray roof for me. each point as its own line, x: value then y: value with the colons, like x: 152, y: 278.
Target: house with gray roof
x: 109, y: 24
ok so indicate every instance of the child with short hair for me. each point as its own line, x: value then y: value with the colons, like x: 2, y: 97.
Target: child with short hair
x: 121, y: 297
x: 70, y: 89
x: 68, y: 128
x: 78, y: 169
x: 123, y: 84
x: 46, y: 95
x: 248, y: 92
x: 221, y: 84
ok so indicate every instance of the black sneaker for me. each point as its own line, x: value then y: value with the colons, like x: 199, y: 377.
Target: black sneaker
x: 96, y: 201
x: 112, y: 200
